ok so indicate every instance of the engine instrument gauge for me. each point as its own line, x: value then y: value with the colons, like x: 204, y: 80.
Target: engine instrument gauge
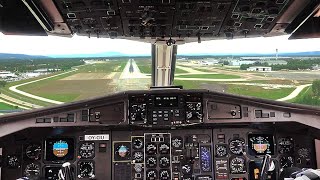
x: 86, y: 169
x: 151, y: 162
x: 164, y: 148
x: 32, y: 170
x: 151, y: 174
x: 221, y: 150
x: 237, y: 146
x: 13, y: 161
x: 164, y: 174
x: 164, y: 162
x: 86, y: 150
x: 33, y: 151
x: 237, y: 165
x: 286, y: 145
x: 286, y: 161
x: 260, y: 144
x: 151, y: 149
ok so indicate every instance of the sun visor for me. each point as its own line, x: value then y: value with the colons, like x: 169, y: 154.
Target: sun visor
x: 16, y: 19
x: 306, y: 25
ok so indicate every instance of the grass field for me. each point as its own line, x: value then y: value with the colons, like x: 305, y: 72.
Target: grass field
x: 209, y: 76
x: 254, y: 91
x: 69, y: 90
x: 307, y: 97
x: 259, y: 91
x: 109, y: 66
x: 4, y: 106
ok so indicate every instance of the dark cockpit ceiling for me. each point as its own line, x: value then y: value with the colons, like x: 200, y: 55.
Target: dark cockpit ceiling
x: 160, y: 20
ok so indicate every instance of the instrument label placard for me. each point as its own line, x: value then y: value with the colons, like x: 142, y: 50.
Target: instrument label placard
x: 97, y: 137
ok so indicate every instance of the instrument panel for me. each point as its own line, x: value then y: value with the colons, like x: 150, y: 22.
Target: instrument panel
x: 179, y: 135
x: 209, y: 153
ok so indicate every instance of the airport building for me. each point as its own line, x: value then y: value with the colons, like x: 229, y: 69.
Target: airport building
x: 240, y: 62
x: 260, y: 69
x: 7, y: 74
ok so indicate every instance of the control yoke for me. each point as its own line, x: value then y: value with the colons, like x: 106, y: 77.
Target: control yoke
x: 65, y: 172
x: 267, y: 165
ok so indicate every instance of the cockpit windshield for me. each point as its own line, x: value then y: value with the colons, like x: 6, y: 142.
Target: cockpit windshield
x: 40, y: 72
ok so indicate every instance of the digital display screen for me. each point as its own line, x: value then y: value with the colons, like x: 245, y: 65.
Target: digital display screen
x: 59, y: 149
x: 122, y: 151
x: 166, y: 101
x: 260, y: 144
x: 205, y: 158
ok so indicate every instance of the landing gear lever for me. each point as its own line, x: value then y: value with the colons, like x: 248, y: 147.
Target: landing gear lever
x: 65, y: 173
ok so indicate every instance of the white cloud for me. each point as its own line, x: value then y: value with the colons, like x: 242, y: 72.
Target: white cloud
x: 83, y: 45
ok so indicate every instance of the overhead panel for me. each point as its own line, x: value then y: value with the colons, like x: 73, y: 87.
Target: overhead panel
x: 160, y: 20
x: 92, y: 18
x: 145, y: 18
x: 252, y: 17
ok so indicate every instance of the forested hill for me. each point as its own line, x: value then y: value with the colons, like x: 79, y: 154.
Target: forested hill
x: 21, y: 56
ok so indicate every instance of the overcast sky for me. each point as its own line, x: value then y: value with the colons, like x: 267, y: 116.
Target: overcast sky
x: 83, y: 45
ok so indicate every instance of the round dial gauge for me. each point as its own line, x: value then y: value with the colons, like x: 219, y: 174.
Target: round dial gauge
x: 151, y: 162
x: 238, y: 165
x: 164, y: 162
x: 164, y: 174
x: 32, y: 170
x: 137, y: 143
x: 33, y: 151
x: 86, y: 150
x: 138, y: 157
x: 286, y: 161
x: 152, y: 174
x: 286, y: 145
x: 176, y: 142
x: 13, y: 162
x: 221, y: 150
x: 303, y: 152
x: 237, y: 146
x: 151, y: 148
x: 164, y: 148
x: 86, y: 170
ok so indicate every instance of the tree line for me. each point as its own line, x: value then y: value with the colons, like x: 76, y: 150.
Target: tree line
x: 21, y: 66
